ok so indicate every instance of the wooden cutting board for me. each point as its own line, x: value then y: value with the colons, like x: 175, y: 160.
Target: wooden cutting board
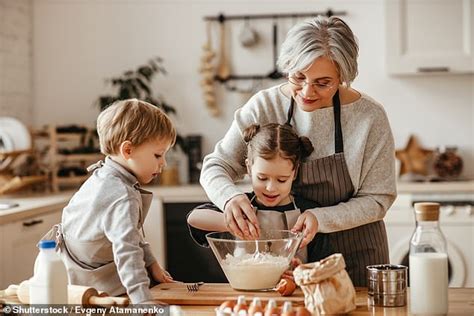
x: 215, y: 294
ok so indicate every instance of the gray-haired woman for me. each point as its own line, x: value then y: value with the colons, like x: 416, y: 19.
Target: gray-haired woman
x: 351, y: 171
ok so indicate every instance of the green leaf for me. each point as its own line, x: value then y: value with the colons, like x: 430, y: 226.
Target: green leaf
x: 144, y: 86
x: 168, y: 108
x: 138, y: 84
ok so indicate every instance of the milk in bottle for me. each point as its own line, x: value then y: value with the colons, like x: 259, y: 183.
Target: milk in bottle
x: 428, y: 263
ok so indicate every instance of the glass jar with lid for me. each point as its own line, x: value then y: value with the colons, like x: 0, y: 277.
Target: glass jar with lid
x: 428, y: 263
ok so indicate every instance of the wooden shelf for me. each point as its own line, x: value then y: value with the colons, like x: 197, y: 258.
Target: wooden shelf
x: 17, y: 183
x: 71, y: 180
x: 60, y: 136
x: 14, y: 154
x: 79, y: 157
x: 57, y: 160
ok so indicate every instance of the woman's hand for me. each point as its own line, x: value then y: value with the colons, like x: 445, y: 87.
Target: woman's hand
x: 308, y: 224
x: 159, y: 274
x: 239, y: 214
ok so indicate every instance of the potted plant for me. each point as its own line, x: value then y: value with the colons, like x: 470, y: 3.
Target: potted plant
x: 138, y: 84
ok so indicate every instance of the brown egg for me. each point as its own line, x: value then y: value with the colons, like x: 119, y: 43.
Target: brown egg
x: 286, y: 287
x: 241, y: 305
x: 255, y: 308
x: 272, y: 309
x: 288, y: 309
x: 227, y: 306
x: 302, y: 311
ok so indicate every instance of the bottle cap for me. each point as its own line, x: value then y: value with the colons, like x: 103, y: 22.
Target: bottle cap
x: 426, y: 211
x: 47, y: 244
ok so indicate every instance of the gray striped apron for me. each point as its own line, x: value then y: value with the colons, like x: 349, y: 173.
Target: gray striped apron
x: 327, y: 181
x: 270, y: 219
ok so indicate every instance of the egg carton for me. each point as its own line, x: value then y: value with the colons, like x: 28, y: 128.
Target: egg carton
x: 256, y: 308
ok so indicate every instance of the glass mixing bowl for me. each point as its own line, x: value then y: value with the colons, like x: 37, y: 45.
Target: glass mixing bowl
x: 251, y: 265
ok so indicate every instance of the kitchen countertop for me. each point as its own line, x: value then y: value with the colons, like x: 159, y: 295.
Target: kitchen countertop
x: 461, y: 302
x: 35, y: 204
x: 45, y: 202
x: 195, y: 193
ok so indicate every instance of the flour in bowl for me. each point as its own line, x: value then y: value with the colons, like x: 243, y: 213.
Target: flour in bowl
x: 249, y: 272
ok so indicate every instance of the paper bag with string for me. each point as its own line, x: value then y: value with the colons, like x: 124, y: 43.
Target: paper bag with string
x: 326, y: 286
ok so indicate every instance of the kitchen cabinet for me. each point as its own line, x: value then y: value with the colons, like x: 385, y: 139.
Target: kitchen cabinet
x: 429, y: 36
x: 18, y: 245
x: 186, y: 260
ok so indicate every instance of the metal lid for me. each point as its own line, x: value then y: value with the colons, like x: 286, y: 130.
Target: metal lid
x: 387, y: 272
x: 427, y: 211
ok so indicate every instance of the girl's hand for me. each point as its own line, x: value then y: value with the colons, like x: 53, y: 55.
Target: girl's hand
x: 308, y: 224
x: 238, y: 212
x: 159, y: 274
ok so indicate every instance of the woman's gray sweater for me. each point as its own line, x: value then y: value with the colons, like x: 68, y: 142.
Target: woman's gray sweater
x: 368, y: 149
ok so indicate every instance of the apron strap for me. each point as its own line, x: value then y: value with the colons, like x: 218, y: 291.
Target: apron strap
x: 290, y: 111
x: 338, y: 141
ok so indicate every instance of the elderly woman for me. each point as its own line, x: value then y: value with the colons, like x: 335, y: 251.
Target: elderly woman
x: 351, y: 172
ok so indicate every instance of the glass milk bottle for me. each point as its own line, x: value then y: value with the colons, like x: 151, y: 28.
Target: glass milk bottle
x: 428, y: 263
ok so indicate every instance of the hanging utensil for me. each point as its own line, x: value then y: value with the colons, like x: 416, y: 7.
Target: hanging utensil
x: 223, y: 68
x: 207, y: 71
x: 275, y: 74
x: 248, y: 37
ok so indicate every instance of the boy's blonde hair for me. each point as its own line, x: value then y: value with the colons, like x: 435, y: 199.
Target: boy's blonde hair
x: 133, y: 120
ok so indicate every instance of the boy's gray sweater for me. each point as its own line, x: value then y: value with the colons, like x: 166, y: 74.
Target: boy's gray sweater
x: 102, y: 226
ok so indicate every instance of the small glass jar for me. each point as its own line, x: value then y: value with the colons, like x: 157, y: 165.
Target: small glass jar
x: 428, y: 263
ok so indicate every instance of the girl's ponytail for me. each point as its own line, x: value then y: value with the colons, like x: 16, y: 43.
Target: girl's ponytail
x: 250, y: 132
x: 306, y: 147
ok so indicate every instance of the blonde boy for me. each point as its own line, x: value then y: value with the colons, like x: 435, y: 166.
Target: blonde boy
x: 101, y: 233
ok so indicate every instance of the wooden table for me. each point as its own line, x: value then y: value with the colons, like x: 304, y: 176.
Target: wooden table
x: 461, y: 302
x: 203, y: 302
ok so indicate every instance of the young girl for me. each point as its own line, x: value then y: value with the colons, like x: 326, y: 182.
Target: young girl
x: 274, y: 153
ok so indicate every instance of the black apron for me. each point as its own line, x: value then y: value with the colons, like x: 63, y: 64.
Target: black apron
x: 327, y: 182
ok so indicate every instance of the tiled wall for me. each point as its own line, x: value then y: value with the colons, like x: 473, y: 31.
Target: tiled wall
x: 16, y: 59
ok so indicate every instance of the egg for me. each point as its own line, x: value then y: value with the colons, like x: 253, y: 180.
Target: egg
x: 286, y: 287
x: 272, y: 309
x: 256, y: 308
x: 241, y: 305
x: 288, y: 309
x: 302, y: 311
x: 227, y: 306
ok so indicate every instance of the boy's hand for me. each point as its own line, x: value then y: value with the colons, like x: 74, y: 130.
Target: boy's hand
x: 308, y: 224
x: 159, y: 274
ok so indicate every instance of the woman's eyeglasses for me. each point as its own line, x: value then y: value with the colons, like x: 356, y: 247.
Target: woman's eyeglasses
x: 317, y: 86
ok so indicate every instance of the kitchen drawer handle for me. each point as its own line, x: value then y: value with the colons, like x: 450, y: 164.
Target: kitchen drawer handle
x: 32, y: 223
x: 433, y: 69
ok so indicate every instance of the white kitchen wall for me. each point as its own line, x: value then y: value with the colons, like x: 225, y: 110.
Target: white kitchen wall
x: 15, y: 59
x: 77, y: 44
